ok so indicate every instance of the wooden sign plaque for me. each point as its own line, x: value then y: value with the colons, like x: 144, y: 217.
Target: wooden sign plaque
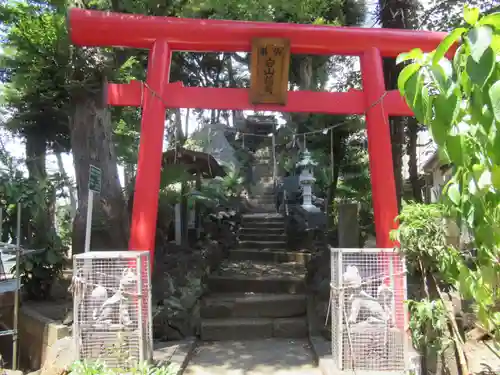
x: 270, y: 63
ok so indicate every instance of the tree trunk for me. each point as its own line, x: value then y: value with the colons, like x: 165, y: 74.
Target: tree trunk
x: 391, y: 72
x: 416, y: 186
x: 92, y: 144
x: 397, y: 14
x: 71, y: 188
x: 41, y: 232
x: 36, y: 154
x: 128, y: 177
x: 338, y: 156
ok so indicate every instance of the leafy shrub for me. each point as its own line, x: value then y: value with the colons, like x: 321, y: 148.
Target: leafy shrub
x: 99, y: 368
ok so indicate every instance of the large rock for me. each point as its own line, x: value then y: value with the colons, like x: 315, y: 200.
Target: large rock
x: 178, y: 284
x: 215, y: 143
x: 318, y: 280
x: 59, y: 357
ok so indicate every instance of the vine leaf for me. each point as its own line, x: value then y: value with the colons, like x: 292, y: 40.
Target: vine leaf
x: 414, y: 54
x: 479, y: 39
x: 495, y: 176
x: 405, y: 75
x: 492, y: 20
x: 454, y: 149
x: 453, y: 193
x: 494, y: 93
x: 471, y: 15
x: 479, y: 72
x: 447, y: 42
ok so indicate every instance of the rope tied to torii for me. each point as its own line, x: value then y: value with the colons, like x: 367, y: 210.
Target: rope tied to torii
x: 144, y: 85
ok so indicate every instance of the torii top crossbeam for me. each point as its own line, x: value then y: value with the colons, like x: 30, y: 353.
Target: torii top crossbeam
x: 92, y: 28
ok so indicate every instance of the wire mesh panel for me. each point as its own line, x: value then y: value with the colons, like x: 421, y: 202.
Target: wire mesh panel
x: 112, y: 307
x: 368, y: 311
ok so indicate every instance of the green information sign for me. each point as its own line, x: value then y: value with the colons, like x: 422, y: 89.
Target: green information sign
x: 94, y: 179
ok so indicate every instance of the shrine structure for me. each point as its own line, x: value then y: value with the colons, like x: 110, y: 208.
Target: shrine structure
x: 163, y: 35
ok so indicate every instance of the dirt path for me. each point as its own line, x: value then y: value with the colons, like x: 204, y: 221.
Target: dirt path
x: 258, y: 357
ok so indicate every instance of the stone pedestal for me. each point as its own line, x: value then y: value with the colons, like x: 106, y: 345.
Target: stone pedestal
x: 348, y: 227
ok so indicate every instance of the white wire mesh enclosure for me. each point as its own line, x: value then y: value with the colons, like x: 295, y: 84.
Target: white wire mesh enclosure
x: 112, y: 307
x: 368, y: 311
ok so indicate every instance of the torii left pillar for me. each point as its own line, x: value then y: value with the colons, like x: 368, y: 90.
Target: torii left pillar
x: 147, y: 184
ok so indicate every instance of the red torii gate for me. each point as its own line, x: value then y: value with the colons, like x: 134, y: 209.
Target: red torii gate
x: 162, y: 35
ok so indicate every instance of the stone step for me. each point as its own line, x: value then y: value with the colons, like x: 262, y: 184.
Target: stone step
x: 266, y: 284
x: 262, y: 217
x: 262, y: 229
x: 267, y: 195
x: 263, y: 203
x: 252, y: 305
x: 263, y: 208
x: 263, y: 236
x: 263, y: 244
x: 263, y: 225
x: 257, y: 204
x: 252, y: 328
x: 269, y: 256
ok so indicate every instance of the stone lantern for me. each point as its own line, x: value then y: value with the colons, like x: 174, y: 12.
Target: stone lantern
x: 306, y: 179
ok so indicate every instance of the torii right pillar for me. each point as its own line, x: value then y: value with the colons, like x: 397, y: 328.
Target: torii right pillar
x: 385, y: 208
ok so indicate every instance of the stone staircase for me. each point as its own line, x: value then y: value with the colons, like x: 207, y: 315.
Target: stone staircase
x: 261, y: 196
x: 259, y: 292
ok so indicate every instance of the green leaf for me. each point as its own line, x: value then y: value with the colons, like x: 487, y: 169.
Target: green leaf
x: 444, y: 158
x: 495, y: 176
x: 479, y: 40
x: 471, y: 14
x: 494, y: 138
x: 52, y: 257
x: 454, y: 148
x: 447, y: 42
x: 494, y: 93
x: 28, y: 265
x: 476, y: 105
x: 414, y: 54
x: 484, y: 181
x: 459, y: 57
x: 470, y: 215
x: 405, y: 75
x: 414, y: 88
x: 492, y: 19
x: 453, y: 193
x: 480, y: 72
x: 446, y: 109
x: 486, y: 119
x: 442, y: 73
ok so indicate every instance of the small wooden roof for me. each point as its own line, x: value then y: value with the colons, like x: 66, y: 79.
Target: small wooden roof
x: 194, y: 161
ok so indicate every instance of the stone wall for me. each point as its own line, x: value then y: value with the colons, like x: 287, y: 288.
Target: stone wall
x: 36, y: 334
